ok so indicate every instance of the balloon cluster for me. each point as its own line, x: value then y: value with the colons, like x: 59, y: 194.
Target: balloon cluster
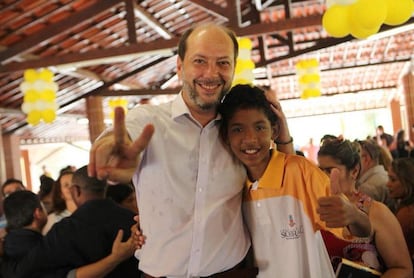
x: 309, y: 78
x: 115, y: 102
x: 244, y: 65
x: 39, y: 101
x: 363, y: 18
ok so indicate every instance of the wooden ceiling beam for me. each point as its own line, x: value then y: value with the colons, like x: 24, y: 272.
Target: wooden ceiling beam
x: 159, y: 45
x: 55, y: 29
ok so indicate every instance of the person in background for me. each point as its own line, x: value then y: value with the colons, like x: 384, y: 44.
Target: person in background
x: 26, y: 218
x: 124, y: 195
x: 383, y: 139
x: 11, y: 185
x: 281, y: 193
x: 401, y: 147
x: 401, y: 187
x: 373, y: 177
x: 84, y: 237
x: 310, y: 151
x: 63, y: 204
x: 385, y: 249
x: 189, y: 187
x: 46, y: 191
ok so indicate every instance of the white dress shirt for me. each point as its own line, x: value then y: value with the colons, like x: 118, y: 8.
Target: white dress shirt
x: 189, y: 195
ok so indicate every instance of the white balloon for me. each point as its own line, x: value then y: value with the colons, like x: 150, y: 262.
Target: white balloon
x: 244, y: 54
x: 40, y: 105
x: 27, y: 107
x: 40, y: 85
x: 25, y: 86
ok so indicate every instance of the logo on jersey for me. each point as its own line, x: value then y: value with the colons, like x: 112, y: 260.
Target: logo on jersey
x: 292, y: 230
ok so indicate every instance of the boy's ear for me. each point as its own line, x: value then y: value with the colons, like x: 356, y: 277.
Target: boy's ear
x: 275, y: 131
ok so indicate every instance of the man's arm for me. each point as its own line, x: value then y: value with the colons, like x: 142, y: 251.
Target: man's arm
x: 284, y: 141
x: 115, y: 156
x: 120, y: 252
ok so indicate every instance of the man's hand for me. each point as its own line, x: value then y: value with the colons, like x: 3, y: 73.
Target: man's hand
x: 136, y: 233
x: 115, y: 156
x: 122, y: 250
x: 284, y: 134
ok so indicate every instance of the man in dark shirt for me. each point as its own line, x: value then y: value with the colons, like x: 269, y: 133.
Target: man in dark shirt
x: 82, y: 238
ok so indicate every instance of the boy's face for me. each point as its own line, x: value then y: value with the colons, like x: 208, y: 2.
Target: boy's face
x: 249, y: 136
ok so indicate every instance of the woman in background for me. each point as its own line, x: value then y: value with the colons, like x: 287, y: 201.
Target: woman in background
x: 401, y: 188
x: 385, y: 250
x: 63, y: 204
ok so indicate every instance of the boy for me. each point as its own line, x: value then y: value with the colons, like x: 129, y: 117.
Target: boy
x: 281, y: 193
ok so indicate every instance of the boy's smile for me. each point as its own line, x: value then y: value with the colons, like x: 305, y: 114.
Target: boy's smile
x: 249, y: 136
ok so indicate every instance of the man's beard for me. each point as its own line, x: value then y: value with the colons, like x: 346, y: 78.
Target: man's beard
x: 193, y: 94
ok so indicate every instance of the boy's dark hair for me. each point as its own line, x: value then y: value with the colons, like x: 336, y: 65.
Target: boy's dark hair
x: 244, y: 97
x: 19, y: 208
x: 90, y: 184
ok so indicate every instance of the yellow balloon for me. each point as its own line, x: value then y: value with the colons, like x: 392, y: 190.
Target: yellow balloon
x: 245, y: 43
x: 30, y: 75
x: 368, y: 13
x: 46, y: 75
x: 398, y: 11
x: 33, y: 117
x: 336, y: 21
x: 360, y: 32
x: 48, y: 115
x: 48, y: 95
x: 30, y: 96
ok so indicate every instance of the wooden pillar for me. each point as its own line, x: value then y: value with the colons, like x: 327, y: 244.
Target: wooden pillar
x: 395, y: 107
x: 2, y: 160
x: 11, y: 145
x: 94, y: 110
x: 408, y: 88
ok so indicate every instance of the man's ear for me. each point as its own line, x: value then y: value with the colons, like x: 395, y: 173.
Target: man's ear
x: 38, y: 213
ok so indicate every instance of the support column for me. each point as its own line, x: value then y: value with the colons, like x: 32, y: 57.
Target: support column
x: 408, y: 87
x: 395, y: 108
x: 94, y: 110
x: 2, y: 160
x: 11, y: 144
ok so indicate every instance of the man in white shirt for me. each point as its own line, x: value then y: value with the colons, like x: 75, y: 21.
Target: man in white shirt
x: 188, y: 185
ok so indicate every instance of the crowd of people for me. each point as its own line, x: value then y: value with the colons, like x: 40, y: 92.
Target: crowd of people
x: 219, y: 191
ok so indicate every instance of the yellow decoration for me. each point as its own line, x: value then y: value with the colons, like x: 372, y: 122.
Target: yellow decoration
x: 243, y: 72
x: 39, y: 101
x: 336, y: 21
x: 368, y: 13
x: 48, y: 115
x: 34, y: 117
x: 117, y: 102
x: 245, y: 43
x: 360, y: 32
x: 398, y: 11
x: 309, y: 78
x: 362, y: 18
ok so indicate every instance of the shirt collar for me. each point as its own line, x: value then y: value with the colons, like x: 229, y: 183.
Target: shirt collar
x: 273, y: 175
